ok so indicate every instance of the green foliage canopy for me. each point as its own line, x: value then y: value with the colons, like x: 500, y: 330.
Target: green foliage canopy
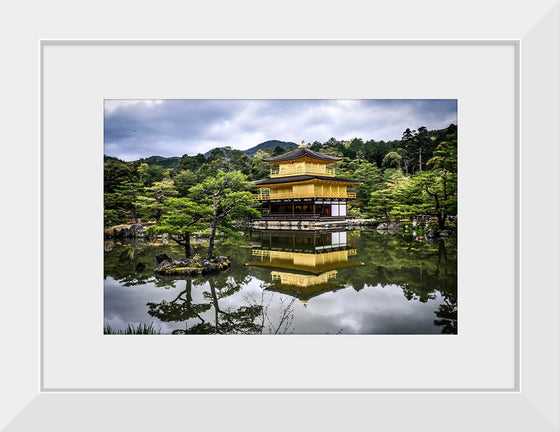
x: 183, y: 217
x: 229, y: 196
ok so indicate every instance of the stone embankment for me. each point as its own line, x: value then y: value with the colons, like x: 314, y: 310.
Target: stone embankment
x: 391, y: 228
x: 126, y: 231
x: 309, y: 224
x: 443, y: 234
x: 359, y: 222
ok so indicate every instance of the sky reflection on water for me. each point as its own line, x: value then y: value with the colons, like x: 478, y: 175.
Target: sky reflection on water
x: 401, y: 287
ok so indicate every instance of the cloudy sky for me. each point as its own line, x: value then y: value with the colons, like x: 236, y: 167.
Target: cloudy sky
x: 140, y: 128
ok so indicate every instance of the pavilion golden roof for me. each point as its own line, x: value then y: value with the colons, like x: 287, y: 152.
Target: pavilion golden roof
x: 302, y: 152
x: 302, y: 178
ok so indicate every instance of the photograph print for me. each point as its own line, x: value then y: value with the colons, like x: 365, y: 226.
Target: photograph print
x: 280, y: 216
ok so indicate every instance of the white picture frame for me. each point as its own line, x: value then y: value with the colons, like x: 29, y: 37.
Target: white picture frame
x: 531, y: 405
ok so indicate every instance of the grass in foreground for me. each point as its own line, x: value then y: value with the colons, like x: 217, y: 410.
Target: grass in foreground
x: 131, y: 329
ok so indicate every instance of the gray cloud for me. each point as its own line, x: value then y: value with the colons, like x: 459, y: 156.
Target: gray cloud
x: 135, y: 129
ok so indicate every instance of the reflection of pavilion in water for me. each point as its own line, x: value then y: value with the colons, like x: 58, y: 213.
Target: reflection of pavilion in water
x: 303, y: 264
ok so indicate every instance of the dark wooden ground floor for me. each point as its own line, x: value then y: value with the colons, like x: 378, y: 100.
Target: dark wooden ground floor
x: 304, y: 209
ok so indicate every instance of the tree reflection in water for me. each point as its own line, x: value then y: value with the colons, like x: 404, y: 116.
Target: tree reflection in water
x: 252, y: 318
x: 447, y: 311
x: 181, y: 309
x: 447, y: 314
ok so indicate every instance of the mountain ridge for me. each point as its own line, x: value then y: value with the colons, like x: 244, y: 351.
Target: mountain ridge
x: 173, y: 161
x: 266, y: 145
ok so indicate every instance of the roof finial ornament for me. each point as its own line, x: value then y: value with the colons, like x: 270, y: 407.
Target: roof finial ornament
x: 302, y: 144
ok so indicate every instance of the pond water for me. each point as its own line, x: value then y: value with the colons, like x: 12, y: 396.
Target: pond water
x: 348, y: 282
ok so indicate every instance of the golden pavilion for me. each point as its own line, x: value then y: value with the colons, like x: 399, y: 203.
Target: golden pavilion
x: 303, y: 186
x: 303, y: 264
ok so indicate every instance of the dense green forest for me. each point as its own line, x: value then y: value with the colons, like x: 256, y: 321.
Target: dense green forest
x: 402, y: 179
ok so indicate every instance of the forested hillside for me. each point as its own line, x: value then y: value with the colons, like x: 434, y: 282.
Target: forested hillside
x: 269, y: 146
x: 416, y: 175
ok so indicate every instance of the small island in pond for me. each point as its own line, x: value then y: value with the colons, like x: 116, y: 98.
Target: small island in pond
x: 190, y: 267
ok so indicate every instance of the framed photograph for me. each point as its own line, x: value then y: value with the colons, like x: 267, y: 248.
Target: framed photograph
x: 497, y: 369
